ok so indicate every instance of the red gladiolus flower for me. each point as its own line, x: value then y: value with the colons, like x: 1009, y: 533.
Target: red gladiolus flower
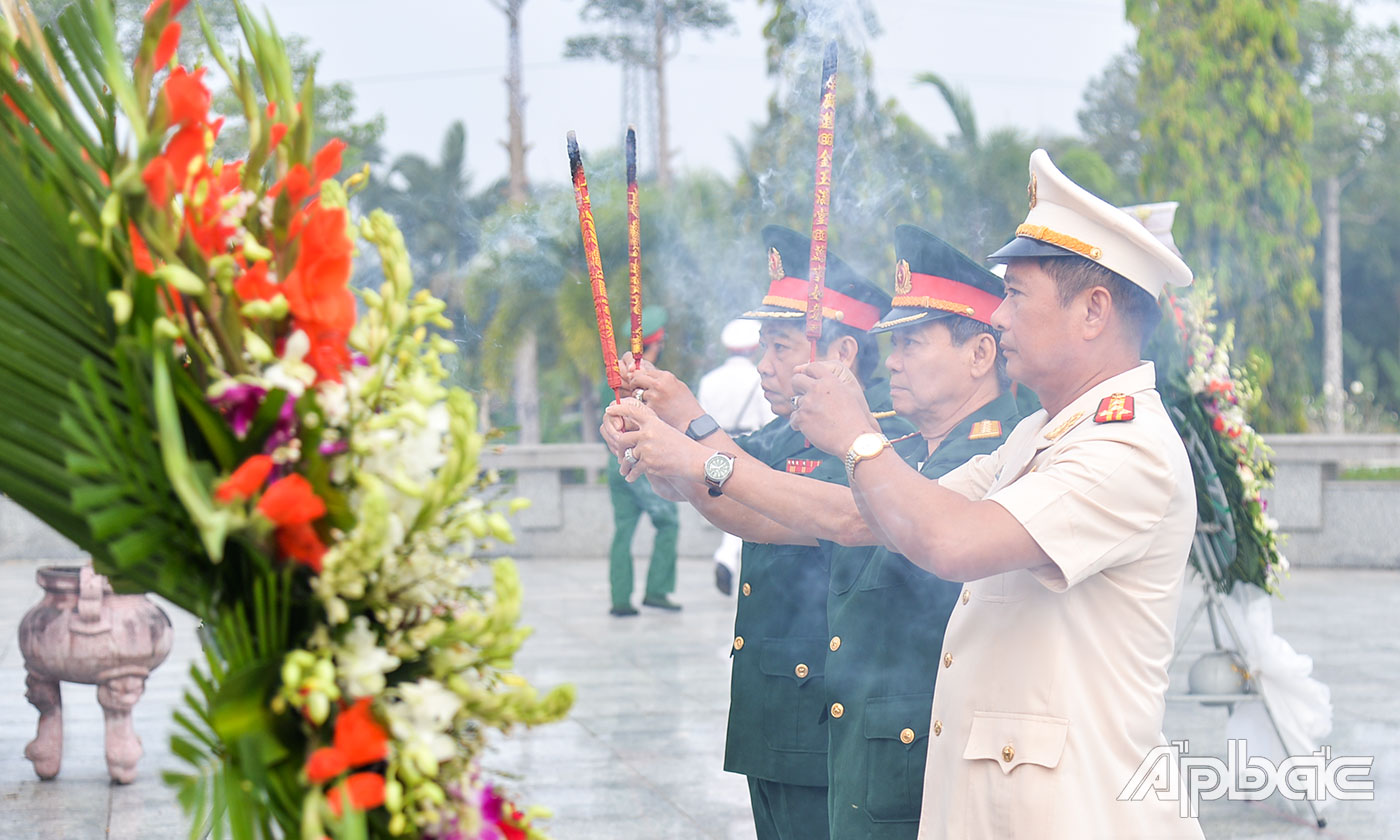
x: 297, y: 184
x: 169, y: 40
x: 246, y: 480
x: 140, y: 254
x: 275, y: 134
x: 291, y: 501
x: 366, y: 792
x: 329, y: 355
x: 186, y: 96
x: 325, y: 764
x: 302, y: 544
x: 359, y: 737
x: 159, y: 177
x: 1218, y: 423
x: 188, y: 144
x: 327, y: 164
x: 254, y: 285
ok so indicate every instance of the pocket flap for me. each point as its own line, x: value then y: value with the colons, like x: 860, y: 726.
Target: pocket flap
x: 800, y: 659
x: 896, y: 716
x: 1012, y: 740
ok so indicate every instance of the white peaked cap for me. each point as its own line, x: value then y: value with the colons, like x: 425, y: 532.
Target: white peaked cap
x: 739, y: 335
x: 1065, y: 218
x: 1158, y: 218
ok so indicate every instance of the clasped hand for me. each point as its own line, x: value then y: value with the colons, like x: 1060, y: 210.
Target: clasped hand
x: 829, y: 407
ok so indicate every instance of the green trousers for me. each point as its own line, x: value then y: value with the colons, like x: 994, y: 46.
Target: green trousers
x: 630, y: 501
x: 788, y: 812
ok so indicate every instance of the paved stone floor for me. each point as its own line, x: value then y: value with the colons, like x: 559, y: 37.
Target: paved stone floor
x: 641, y: 755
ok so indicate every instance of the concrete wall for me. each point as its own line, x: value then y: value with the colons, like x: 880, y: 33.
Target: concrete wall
x: 1326, y: 522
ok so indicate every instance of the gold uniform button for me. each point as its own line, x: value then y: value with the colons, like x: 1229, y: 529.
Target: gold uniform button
x: 747, y: 589
x: 937, y: 728
x: 965, y: 596
x: 835, y: 643
x: 1008, y: 752
x: 837, y: 710
x: 738, y: 642
x: 907, y: 736
x: 947, y: 660
x: 800, y: 670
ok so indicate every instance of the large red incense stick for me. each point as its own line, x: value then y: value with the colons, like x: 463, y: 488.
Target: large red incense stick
x: 634, y: 250
x: 595, y: 267
x: 821, y: 198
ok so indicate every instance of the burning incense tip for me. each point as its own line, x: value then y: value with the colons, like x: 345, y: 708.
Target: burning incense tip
x: 575, y: 159
x: 829, y: 62
x: 631, y: 155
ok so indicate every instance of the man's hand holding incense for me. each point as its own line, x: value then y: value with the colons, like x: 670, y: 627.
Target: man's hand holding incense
x: 656, y: 448
x: 662, y: 392
x: 829, y: 407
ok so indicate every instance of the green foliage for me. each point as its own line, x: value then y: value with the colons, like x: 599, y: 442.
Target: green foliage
x: 1225, y: 125
x: 651, y: 21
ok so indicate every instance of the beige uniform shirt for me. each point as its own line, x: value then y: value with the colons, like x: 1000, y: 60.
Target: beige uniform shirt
x: 1051, y: 688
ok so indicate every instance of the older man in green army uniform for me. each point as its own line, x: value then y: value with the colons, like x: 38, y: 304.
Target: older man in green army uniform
x: 885, y: 615
x: 631, y: 499
x: 777, y: 732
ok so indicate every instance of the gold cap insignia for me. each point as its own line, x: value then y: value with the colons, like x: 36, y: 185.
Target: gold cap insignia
x: 775, y: 265
x: 1030, y: 190
x: 903, y: 279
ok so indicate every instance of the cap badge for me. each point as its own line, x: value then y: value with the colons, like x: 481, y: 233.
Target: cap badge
x: 775, y: 265
x: 903, y: 279
x: 1030, y: 190
x: 1116, y: 408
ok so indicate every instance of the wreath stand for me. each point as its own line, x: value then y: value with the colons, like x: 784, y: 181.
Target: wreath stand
x: 1212, y: 568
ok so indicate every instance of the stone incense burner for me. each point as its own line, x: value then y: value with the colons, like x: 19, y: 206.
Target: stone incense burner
x: 83, y: 632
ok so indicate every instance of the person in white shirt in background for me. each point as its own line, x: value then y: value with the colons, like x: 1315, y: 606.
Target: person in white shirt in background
x: 732, y: 395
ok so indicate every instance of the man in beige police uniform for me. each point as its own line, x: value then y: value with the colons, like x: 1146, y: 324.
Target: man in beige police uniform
x: 1071, y: 539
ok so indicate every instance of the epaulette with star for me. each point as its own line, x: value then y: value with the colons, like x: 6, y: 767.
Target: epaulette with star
x: 984, y: 430
x: 1116, y: 408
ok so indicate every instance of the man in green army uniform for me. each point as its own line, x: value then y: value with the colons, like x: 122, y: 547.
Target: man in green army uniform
x: 886, y: 616
x: 631, y: 499
x: 777, y: 732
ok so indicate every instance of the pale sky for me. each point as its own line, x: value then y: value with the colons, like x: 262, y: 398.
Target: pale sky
x: 425, y: 63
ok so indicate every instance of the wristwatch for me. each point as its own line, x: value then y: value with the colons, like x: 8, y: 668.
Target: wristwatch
x: 701, y: 427
x: 718, y: 468
x: 865, y: 446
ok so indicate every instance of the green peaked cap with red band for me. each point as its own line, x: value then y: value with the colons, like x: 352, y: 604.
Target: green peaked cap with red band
x: 932, y: 280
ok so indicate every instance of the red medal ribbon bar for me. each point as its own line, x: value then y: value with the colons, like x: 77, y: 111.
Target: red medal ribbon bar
x: 802, y: 466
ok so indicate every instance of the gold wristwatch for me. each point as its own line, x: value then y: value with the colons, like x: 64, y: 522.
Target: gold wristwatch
x: 865, y: 446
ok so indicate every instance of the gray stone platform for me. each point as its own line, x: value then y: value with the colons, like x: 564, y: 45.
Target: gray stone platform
x: 641, y: 755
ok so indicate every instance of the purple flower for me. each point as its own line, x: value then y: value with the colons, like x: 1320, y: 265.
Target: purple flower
x: 335, y: 447
x: 239, y: 405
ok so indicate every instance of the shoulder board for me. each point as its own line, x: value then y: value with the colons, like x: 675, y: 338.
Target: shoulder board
x: 802, y: 466
x: 903, y: 438
x: 985, y: 429
x: 1117, y: 408
x: 884, y: 415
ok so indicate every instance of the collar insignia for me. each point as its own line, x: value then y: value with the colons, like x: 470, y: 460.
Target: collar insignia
x: 1055, y: 433
x: 985, y: 429
x: 1117, y: 408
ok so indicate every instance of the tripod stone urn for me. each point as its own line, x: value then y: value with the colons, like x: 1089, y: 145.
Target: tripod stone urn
x: 83, y: 632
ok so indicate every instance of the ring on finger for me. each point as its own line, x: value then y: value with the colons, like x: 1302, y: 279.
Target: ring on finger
x: 796, y: 399
x: 637, y: 395
x: 629, y: 457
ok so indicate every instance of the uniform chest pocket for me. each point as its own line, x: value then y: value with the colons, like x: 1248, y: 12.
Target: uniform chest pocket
x: 794, y: 693
x: 896, y: 750
x: 846, y: 568
x: 1012, y: 740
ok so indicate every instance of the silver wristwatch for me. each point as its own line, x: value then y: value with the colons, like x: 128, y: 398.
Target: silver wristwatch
x: 718, y: 468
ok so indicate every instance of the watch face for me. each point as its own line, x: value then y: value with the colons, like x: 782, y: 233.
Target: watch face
x: 868, y: 445
x: 717, y: 468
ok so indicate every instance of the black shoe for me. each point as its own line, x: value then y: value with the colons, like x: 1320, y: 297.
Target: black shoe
x: 661, y: 602
x: 623, y: 611
x: 724, y: 579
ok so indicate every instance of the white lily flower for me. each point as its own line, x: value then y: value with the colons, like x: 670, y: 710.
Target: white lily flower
x: 362, y: 663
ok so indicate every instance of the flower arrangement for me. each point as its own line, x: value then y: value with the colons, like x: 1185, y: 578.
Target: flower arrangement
x: 1210, y: 400
x: 202, y: 403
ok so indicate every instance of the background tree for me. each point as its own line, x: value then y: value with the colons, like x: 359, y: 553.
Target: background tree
x: 1225, y: 126
x: 664, y: 22
x: 1351, y: 76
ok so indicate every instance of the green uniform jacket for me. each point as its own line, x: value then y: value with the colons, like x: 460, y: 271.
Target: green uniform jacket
x: 886, y: 619
x: 777, y: 728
